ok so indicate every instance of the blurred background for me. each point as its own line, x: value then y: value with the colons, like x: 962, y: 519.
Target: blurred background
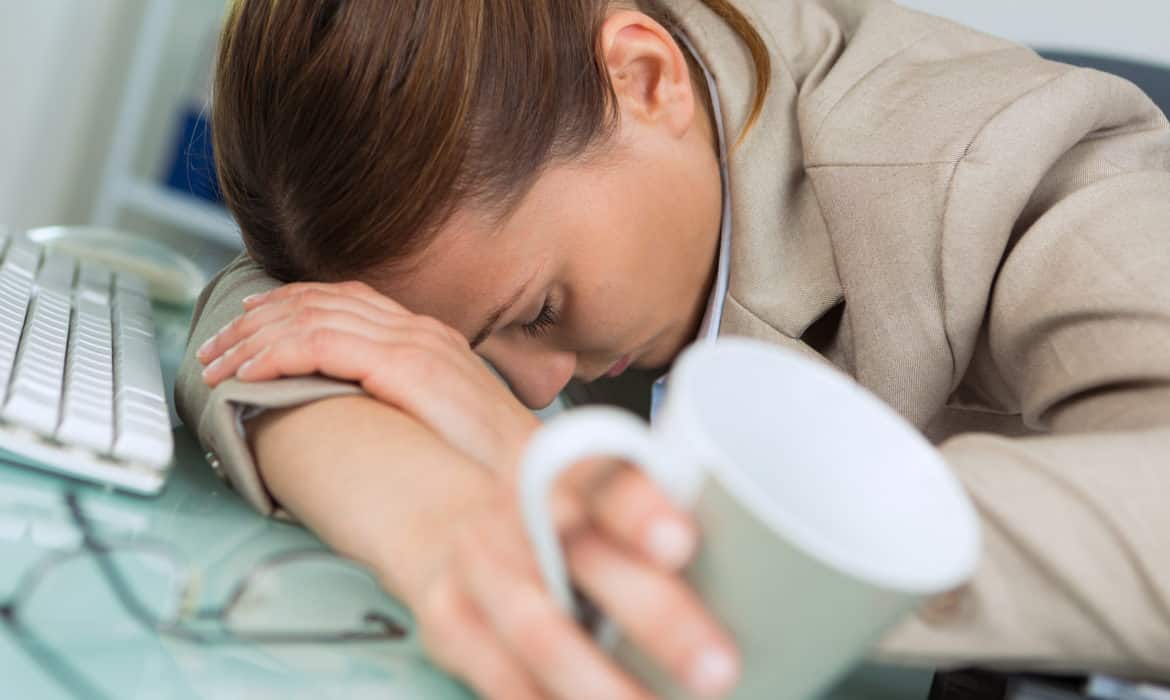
x: 103, y: 101
x: 102, y: 119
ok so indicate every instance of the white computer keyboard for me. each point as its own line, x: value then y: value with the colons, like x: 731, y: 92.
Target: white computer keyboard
x: 79, y: 366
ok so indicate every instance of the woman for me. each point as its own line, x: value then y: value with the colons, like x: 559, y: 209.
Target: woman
x: 977, y: 235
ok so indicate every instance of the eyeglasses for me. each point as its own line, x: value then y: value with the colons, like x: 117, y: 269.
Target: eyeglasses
x: 295, y: 597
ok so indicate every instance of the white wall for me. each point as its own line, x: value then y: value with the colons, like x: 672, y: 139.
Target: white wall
x: 1126, y: 28
x: 62, y: 66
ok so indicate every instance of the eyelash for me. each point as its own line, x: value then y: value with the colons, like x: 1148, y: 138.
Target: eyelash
x: 546, y: 319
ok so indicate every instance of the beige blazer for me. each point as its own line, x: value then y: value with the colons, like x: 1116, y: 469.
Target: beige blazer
x: 982, y: 238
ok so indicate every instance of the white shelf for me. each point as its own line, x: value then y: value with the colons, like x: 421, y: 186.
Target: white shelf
x: 171, y: 29
x: 200, y: 216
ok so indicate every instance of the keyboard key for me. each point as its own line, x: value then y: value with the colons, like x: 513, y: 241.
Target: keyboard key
x: 79, y: 363
x: 93, y: 284
x: 33, y: 406
x: 56, y: 277
x: 145, y: 442
x: 133, y: 284
x: 87, y: 417
x: 23, y: 257
x: 90, y: 428
x: 137, y: 368
x: 34, y: 399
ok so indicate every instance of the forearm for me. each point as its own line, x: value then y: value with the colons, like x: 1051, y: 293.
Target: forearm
x: 370, y: 481
x: 1075, y: 574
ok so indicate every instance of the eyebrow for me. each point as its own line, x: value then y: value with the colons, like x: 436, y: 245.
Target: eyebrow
x: 496, y: 314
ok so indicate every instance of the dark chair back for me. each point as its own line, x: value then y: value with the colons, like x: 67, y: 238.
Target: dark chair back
x: 1152, y: 78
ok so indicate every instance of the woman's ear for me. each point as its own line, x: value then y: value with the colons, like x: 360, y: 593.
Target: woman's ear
x: 648, y: 72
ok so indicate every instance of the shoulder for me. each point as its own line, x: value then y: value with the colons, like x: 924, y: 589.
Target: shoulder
x: 913, y: 88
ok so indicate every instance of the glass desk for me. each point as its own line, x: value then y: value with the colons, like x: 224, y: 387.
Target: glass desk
x: 222, y: 538
x: 218, y: 535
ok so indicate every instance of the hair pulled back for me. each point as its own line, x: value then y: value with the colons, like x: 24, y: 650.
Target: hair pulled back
x: 346, y: 132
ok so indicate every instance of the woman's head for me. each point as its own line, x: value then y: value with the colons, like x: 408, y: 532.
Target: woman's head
x: 458, y: 155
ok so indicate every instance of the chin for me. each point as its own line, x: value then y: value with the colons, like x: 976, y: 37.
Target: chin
x: 659, y: 356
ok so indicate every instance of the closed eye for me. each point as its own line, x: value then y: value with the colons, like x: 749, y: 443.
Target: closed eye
x: 546, y: 319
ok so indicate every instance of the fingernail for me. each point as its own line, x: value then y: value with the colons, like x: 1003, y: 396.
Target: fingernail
x: 670, y: 542
x: 244, y: 368
x: 713, y: 673
x: 209, y: 369
x: 254, y: 297
x: 205, y: 347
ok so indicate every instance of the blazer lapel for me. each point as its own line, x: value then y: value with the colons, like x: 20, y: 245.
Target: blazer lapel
x: 783, y: 276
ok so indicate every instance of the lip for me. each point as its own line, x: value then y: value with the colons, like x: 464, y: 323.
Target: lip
x: 618, y: 367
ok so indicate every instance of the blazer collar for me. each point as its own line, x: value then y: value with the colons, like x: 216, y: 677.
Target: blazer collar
x: 783, y: 274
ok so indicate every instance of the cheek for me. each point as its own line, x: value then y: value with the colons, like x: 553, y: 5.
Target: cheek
x: 606, y: 318
x: 620, y: 274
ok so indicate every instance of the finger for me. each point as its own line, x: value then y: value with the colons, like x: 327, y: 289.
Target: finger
x: 421, y: 374
x: 353, y: 288
x: 633, y: 510
x: 458, y: 639
x: 333, y: 348
x: 563, y: 660
x: 262, y: 316
x: 288, y: 335
x: 643, y: 601
x: 384, y: 359
x: 567, y: 506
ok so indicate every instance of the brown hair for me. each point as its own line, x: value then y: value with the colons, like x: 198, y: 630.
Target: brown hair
x: 347, y: 131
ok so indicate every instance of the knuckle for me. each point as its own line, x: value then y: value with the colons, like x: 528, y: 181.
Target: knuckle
x: 243, y: 349
x: 449, y: 335
x: 455, y: 337
x: 428, y: 323
x: 431, y: 326
x: 307, y: 317
x: 308, y: 298
x: 232, y: 328
x: 439, y: 609
x: 355, y: 287
x: 319, y: 340
x: 534, y: 629
x: 417, y: 357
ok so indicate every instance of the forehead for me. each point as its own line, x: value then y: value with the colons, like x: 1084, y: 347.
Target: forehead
x: 476, y: 262
x: 466, y: 271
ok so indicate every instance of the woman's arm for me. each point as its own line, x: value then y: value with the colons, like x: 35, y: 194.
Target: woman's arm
x: 445, y: 535
x: 1076, y: 571
x: 443, y: 531
x: 368, y: 480
x: 214, y: 415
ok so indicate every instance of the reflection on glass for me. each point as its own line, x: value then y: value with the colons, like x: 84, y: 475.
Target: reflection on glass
x: 108, y: 592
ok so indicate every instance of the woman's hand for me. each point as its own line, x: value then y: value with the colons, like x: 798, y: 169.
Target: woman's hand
x: 484, y: 614
x: 349, y: 331
x: 444, y: 536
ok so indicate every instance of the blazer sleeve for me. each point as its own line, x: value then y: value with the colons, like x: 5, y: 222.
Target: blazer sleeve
x: 1076, y: 519
x: 216, y: 415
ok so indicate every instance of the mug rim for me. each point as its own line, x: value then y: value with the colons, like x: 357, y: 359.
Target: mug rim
x: 963, y: 555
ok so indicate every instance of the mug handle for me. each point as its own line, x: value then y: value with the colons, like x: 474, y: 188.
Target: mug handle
x: 576, y: 435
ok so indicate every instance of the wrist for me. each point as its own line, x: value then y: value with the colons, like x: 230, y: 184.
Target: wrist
x: 420, y: 556
x: 513, y: 439
x: 372, y: 482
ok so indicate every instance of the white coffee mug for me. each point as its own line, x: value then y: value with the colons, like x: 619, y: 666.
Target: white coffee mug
x: 824, y: 516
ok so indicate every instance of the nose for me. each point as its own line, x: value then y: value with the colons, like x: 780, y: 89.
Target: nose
x: 535, y: 374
